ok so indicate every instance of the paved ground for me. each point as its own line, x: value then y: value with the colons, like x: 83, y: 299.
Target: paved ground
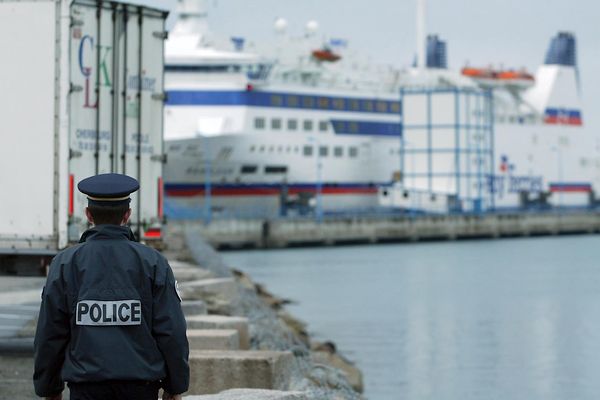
x: 16, y: 378
x: 14, y: 317
x: 19, y: 303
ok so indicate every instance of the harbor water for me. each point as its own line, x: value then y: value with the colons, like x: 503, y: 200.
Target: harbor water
x: 498, y: 319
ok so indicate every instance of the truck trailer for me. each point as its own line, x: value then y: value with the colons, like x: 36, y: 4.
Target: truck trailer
x: 81, y: 94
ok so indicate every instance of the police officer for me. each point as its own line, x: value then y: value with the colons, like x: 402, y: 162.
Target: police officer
x: 110, y: 322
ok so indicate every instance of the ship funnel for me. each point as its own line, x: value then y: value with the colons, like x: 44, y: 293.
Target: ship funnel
x: 436, y: 52
x: 562, y: 50
x: 556, y: 94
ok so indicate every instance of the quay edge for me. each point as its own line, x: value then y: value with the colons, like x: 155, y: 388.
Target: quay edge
x: 280, y: 233
x: 281, y: 362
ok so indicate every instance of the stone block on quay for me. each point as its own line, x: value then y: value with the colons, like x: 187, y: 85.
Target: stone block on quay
x: 208, y: 289
x: 186, y: 274
x: 178, y: 264
x: 213, y: 339
x: 240, y: 324
x: 193, y: 307
x: 252, y: 394
x: 215, y: 371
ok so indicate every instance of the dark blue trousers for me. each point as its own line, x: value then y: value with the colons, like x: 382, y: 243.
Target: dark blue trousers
x: 114, y: 390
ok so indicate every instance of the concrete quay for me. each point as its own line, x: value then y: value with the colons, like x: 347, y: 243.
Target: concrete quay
x: 253, y: 394
x: 278, y: 233
x: 243, y: 344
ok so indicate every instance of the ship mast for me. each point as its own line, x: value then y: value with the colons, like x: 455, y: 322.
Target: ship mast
x: 192, y: 17
x: 421, y: 34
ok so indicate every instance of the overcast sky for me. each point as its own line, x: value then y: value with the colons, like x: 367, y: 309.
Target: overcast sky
x: 512, y: 33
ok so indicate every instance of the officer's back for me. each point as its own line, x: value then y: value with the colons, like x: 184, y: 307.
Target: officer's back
x: 110, y: 322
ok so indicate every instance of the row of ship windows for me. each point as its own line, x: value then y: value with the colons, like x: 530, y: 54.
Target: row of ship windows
x: 307, y: 124
x: 292, y: 124
x: 269, y: 169
x: 514, y: 119
x: 276, y: 124
x: 335, y: 103
x: 308, y: 151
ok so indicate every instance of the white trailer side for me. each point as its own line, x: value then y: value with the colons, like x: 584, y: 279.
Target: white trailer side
x: 81, y: 94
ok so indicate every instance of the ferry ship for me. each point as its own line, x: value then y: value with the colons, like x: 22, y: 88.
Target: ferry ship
x: 304, y: 123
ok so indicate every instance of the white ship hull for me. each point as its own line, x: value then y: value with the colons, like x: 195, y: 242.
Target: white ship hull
x: 252, y: 171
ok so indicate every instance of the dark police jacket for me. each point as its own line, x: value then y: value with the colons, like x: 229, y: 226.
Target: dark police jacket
x: 110, y: 311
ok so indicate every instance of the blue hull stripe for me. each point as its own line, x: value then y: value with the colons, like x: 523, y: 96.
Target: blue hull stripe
x: 562, y: 116
x: 556, y: 112
x: 281, y: 100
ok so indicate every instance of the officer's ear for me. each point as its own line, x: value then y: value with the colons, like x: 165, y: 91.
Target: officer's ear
x: 126, y: 217
x: 88, y: 214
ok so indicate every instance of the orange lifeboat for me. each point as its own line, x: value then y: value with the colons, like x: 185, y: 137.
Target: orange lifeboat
x: 325, y: 54
x: 506, y: 76
x: 515, y: 75
x: 481, y: 73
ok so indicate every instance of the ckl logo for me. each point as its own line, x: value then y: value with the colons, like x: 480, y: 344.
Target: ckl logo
x: 87, y: 46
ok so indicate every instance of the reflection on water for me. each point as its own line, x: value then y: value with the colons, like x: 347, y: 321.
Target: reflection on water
x: 506, y: 319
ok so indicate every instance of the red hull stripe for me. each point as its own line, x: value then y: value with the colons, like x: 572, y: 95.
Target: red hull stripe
x: 559, y: 121
x: 570, y: 187
x: 242, y: 190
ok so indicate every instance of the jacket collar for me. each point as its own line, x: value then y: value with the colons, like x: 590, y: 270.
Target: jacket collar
x: 107, y: 232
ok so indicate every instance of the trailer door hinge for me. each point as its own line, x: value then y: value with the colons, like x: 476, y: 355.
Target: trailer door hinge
x: 159, y: 157
x: 74, y: 153
x: 159, y: 96
x: 75, y: 88
x: 161, y: 34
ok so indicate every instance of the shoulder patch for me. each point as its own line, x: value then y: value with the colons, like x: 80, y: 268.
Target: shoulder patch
x: 177, y: 290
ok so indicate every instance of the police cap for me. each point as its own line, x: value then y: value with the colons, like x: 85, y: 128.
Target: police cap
x: 108, y: 189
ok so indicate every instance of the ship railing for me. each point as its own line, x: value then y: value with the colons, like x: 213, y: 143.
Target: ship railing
x: 198, y: 212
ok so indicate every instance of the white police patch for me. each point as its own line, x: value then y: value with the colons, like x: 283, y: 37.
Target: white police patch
x: 177, y: 291
x: 109, y: 313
